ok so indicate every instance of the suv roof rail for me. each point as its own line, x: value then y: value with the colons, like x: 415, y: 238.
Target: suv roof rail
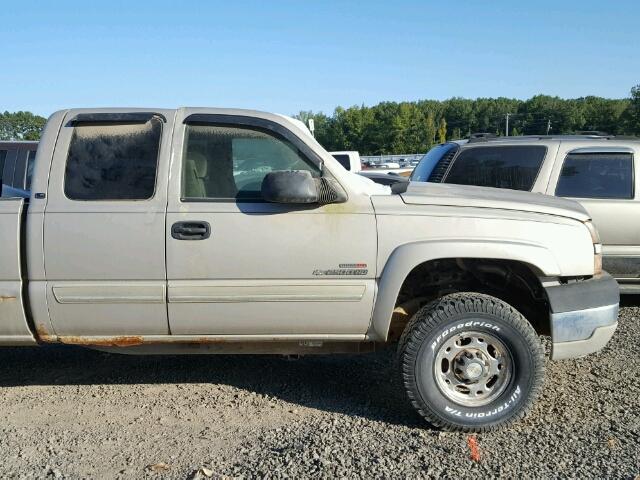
x: 573, y: 136
x: 624, y: 137
x: 593, y: 133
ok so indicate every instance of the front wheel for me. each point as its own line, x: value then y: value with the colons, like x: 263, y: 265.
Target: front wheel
x: 470, y: 362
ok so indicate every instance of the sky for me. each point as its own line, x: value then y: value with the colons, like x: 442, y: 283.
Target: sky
x: 287, y: 56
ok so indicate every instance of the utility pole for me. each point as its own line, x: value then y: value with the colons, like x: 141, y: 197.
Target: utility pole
x: 548, y: 126
x: 506, y: 128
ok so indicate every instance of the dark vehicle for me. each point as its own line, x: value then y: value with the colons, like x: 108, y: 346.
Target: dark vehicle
x: 16, y: 167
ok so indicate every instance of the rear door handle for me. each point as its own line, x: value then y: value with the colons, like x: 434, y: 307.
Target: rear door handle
x: 195, y: 230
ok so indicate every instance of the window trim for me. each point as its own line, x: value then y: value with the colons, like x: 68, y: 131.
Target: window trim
x: 601, y: 152
x: 114, y: 117
x: 610, y: 150
x: 475, y: 147
x: 252, y: 123
x: 107, y: 123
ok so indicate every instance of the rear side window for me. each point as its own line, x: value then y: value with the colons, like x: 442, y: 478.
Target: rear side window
x: 113, y: 161
x: 596, y: 175
x: 343, y: 160
x: 514, y: 167
x: 31, y: 161
x: 3, y: 155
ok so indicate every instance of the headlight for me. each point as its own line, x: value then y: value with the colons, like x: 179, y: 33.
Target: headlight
x: 595, y: 237
x: 597, y: 247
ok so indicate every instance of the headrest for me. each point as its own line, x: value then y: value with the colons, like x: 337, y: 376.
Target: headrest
x: 200, y: 163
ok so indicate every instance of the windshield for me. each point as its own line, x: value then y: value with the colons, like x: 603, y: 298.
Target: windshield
x: 423, y: 171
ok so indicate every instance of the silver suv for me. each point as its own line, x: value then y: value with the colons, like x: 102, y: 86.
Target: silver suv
x: 600, y: 172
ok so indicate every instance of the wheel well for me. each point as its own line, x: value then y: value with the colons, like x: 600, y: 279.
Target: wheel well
x: 514, y: 282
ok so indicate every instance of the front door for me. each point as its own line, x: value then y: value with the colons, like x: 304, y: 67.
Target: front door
x: 104, y: 245
x: 239, y: 266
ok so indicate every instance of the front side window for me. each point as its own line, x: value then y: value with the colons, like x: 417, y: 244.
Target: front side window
x: 513, y: 167
x: 229, y: 162
x: 596, y: 175
x: 113, y: 161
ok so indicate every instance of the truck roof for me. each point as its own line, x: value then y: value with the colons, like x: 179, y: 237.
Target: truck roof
x: 18, y: 143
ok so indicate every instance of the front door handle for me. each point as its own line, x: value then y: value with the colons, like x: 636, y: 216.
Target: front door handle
x: 196, y: 230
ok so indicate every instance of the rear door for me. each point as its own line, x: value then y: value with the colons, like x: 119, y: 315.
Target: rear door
x: 14, y: 329
x: 604, y: 180
x: 104, y: 244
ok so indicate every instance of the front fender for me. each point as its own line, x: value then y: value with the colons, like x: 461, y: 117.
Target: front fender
x: 406, y: 257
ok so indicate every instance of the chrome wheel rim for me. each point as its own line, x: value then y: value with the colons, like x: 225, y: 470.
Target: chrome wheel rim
x: 473, y: 368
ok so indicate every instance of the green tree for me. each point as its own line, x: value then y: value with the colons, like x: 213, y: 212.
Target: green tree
x: 430, y: 130
x: 442, y: 130
x: 412, y: 127
x: 603, y: 114
x: 632, y: 112
x: 20, y: 126
x: 460, y: 114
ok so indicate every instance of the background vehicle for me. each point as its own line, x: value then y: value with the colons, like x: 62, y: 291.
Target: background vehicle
x: 259, y: 241
x: 16, y: 167
x: 349, y: 160
x: 384, y: 178
x: 600, y: 172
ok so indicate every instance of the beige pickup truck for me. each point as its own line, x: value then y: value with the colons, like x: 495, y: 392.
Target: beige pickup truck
x: 196, y: 230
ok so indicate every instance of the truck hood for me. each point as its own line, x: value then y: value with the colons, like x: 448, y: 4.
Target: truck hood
x: 422, y: 193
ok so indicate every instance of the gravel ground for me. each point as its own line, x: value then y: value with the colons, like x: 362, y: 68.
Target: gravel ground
x: 75, y: 413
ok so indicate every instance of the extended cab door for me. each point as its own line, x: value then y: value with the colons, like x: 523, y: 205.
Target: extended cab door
x: 104, y: 245
x: 237, y: 265
x: 14, y: 329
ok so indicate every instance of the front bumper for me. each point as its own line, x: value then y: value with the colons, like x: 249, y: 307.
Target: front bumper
x: 584, y: 315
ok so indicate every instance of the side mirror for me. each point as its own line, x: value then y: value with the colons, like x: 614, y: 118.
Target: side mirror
x: 290, y: 186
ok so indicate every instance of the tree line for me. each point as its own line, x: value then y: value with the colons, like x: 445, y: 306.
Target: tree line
x: 413, y: 127
x: 20, y: 126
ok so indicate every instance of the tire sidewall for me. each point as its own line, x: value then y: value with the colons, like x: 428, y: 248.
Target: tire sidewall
x: 514, y: 397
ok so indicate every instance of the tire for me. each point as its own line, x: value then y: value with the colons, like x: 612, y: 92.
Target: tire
x: 471, y: 363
